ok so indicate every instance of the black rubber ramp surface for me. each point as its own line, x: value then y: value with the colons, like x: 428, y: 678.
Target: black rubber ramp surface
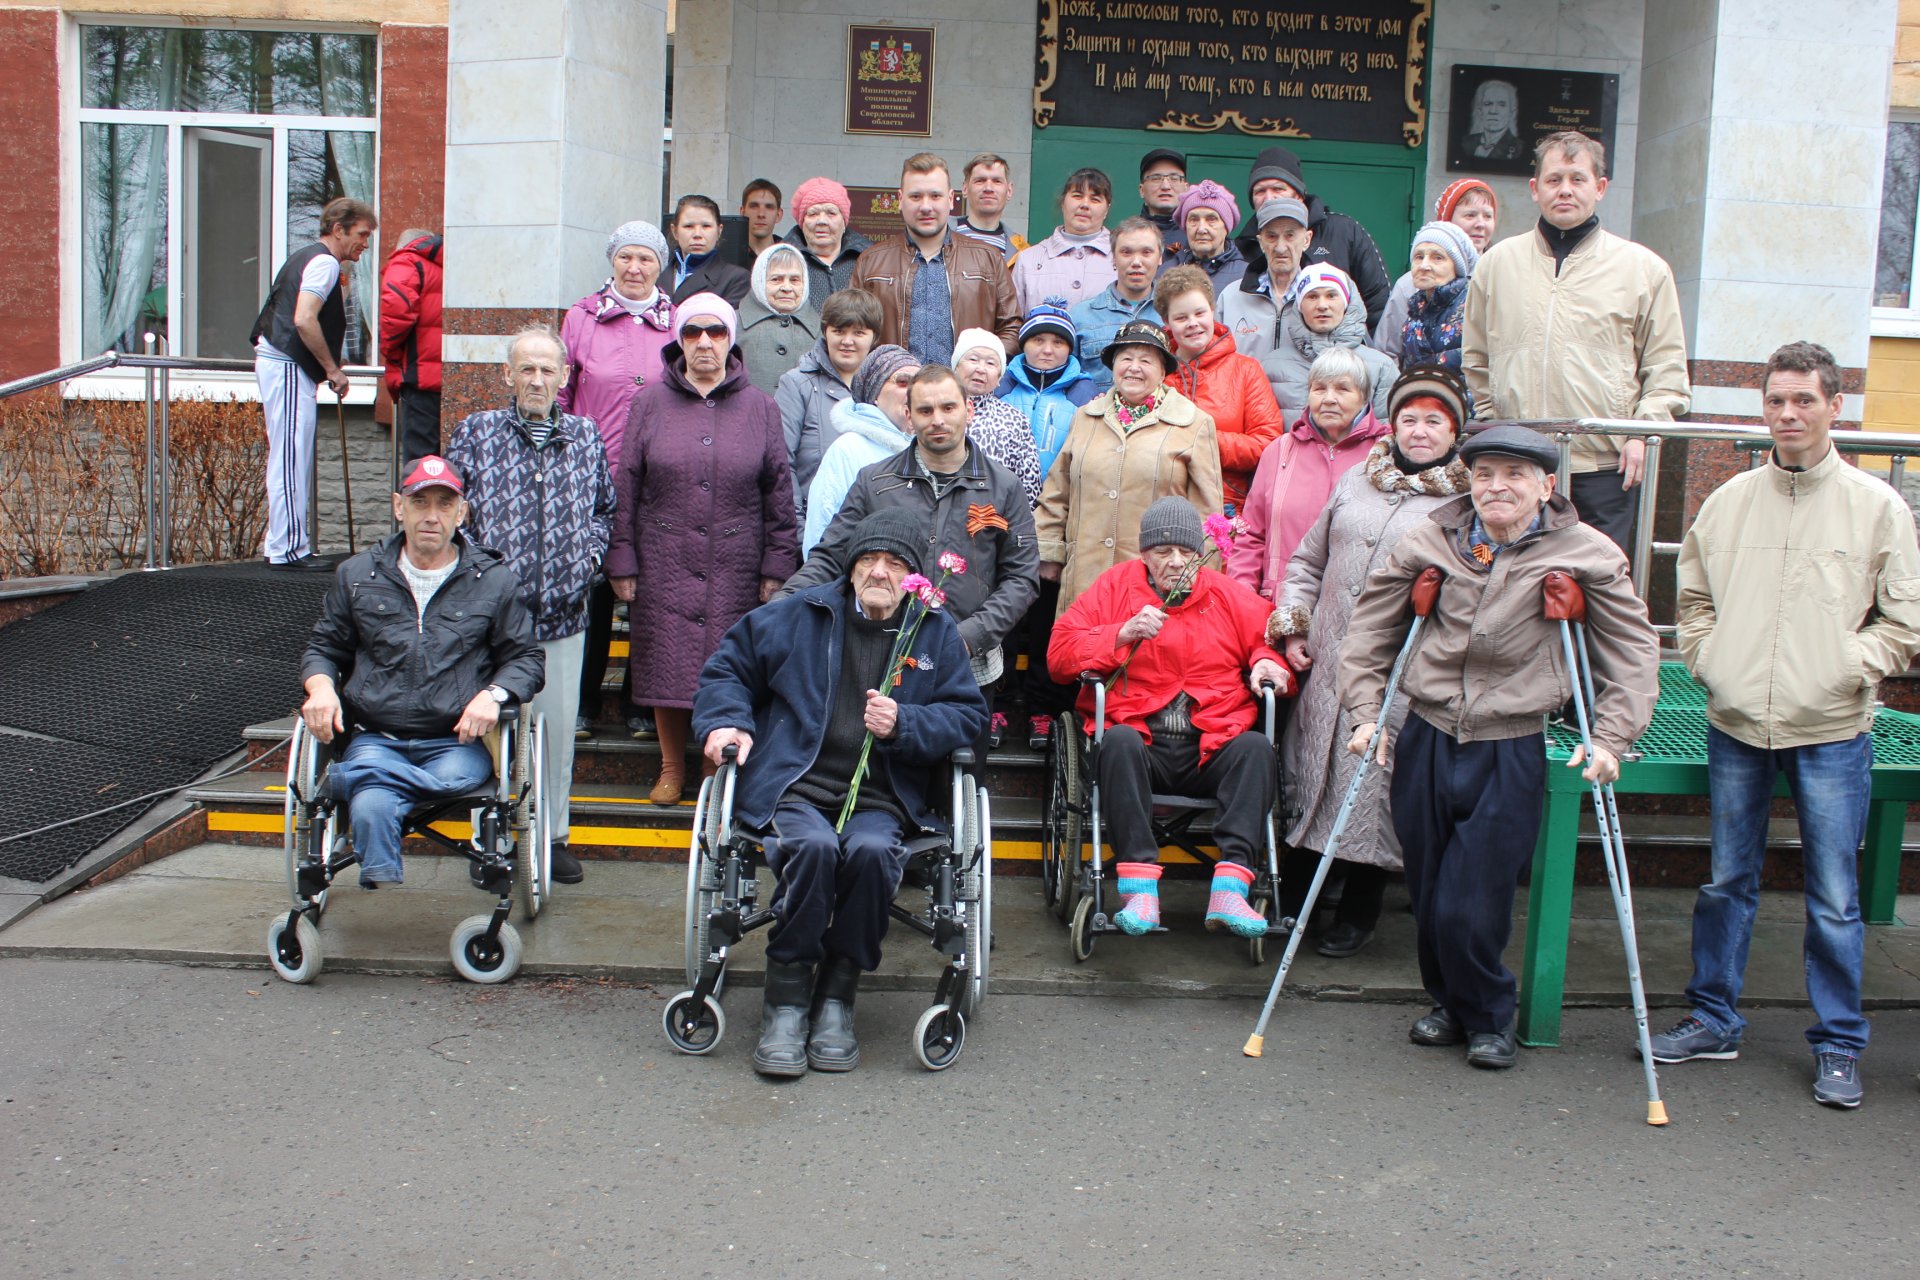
x: 137, y: 684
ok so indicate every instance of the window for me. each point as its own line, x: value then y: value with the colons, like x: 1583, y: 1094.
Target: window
x: 205, y: 157
x: 1896, y: 310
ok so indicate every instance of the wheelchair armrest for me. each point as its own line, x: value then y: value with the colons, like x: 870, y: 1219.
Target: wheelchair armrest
x: 1092, y: 678
x: 509, y: 712
x: 962, y: 757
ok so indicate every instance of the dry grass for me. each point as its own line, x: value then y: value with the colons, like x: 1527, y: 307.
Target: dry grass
x: 72, y: 477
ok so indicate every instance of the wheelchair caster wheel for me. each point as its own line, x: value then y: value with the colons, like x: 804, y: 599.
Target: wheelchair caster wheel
x: 694, y: 1028
x: 1080, y: 933
x: 476, y: 961
x: 295, y: 955
x: 938, y: 1037
x: 1257, y: 947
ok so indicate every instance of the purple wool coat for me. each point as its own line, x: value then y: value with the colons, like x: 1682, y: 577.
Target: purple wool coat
x: 706, y: 511
x: 611, y: 355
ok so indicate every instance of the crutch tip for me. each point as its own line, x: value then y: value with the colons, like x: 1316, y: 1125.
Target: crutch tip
x: 1656, y: 1113
x: 1256, y: 1043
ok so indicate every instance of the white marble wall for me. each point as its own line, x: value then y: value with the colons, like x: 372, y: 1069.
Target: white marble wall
x: 773, y: 74
x: 1562, y: 35
x: 554, y: 115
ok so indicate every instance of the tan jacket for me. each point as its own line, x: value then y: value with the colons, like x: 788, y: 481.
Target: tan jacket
x: 1104, y: 479
x: 1488, y: 665
x: 1799, y: 594
x: 1602, y: 339
x: 978, y: 284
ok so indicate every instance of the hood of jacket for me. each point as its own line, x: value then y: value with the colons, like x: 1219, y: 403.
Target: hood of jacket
x: 731, y: 381
x: 604, y: 305
x: 757, y: 283
x: 852, y: 244
x: 427, y: 248
x: 1019, y: 375
x: 1350, y: 332
x: 851, y: 417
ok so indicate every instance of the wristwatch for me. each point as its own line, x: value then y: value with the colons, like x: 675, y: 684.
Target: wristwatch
x: 498, y: 694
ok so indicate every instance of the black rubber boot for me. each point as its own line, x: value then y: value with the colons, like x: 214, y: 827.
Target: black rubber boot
x: 782, y: 1050
x: 831, y: 1045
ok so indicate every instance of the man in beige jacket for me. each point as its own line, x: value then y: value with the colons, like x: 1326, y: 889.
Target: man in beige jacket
x: 1569, y: 321
x: 1799, y: 594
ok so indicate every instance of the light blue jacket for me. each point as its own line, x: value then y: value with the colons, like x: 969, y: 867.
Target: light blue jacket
x: 865, y: 436
x: 1097, y: 319
x: 1049, y: 413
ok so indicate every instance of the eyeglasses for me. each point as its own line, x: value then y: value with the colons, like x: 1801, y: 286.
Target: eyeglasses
x: 1164, y: 179
x: 694, y: 332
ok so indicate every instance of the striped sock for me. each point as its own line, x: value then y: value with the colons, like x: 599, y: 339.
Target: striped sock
x: 1227, y: 906
x: 1139, y: 884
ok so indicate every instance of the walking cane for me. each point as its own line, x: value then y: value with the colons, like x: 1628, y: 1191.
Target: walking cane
x: 1566, y: 604
x: 346, y: 477
x: 1426, y: 590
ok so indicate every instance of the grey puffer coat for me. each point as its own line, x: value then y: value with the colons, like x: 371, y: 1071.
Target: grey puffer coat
x: 806, y: 396
x: 1371, y: 507
x: 1298, y: 347
x: 706, y: 512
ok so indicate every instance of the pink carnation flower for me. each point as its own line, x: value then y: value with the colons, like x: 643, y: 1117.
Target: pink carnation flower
x: 914, y: 583
x: 953, y: 562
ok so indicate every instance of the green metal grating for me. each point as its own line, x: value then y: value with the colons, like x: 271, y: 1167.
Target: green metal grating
x: 1678, y: 734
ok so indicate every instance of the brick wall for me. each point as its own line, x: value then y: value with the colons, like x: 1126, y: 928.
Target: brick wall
x: 29, y: 198
x: 413, y: 129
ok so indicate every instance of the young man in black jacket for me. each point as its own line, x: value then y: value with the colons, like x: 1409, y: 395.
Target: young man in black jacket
x: 431, y: 639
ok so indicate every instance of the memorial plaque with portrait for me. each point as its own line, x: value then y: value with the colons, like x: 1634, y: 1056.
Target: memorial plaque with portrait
x: 1500, y: 114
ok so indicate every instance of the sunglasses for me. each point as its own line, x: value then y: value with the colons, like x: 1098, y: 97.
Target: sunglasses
x: 694, y: 332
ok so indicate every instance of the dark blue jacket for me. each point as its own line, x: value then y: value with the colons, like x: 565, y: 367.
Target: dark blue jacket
x: 774, y: 675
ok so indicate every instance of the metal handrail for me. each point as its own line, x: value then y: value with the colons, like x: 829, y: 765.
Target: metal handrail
x: 158, y: 471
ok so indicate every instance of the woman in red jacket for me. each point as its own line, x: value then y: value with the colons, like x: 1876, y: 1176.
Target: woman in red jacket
x: 1215, y: 376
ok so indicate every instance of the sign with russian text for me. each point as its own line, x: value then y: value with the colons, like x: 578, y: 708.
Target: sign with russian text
x: 890, y: 80
x: 1347, y: 70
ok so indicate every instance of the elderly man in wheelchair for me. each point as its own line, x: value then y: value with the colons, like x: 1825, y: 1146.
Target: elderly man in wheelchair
x: 1169, y: 654
x: 799, y: 695
x: 428, y: 633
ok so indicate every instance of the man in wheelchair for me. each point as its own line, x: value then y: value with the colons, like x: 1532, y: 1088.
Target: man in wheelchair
x: 430, y: 634
x: 1175, y: 641
x: 795, y: 688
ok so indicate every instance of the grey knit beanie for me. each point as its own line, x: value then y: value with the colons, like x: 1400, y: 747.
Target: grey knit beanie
x: 644, y: 234
x: 1453, y: 242
x: 893, y: 530
x: 1172, y: 522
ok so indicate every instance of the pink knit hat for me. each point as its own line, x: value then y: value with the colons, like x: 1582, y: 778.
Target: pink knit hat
x: 1208, y: 194
x: 709, y: 304
x: 822, y: 191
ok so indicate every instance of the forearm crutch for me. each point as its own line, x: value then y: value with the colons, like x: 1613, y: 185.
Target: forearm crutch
x: 1426, y: 590
x: 1566, y: 604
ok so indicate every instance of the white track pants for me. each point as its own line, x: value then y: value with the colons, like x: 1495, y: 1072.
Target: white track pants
x: 287, y: 399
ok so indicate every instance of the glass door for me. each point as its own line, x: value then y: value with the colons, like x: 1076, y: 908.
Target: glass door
x: 227, y: 245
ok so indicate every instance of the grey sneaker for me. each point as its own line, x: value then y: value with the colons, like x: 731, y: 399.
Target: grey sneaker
x: 1836, y: 1079
x: 1691, y: 1038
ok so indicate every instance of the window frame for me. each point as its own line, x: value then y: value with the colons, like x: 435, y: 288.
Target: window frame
x: 1901, y: 322
x: 130, y: 384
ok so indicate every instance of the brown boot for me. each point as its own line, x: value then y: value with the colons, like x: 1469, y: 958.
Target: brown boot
x: 674, y: 724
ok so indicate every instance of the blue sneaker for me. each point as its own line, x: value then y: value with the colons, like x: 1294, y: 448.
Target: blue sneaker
x: 1836, y: 1079
x: 1690, y: 1038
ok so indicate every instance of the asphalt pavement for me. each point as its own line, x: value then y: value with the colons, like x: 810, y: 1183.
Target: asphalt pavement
x: 166, y: 1121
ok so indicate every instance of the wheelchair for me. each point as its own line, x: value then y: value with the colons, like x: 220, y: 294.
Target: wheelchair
x: 511, y: 852
x: 1073, y: 882
x: 954, y: 871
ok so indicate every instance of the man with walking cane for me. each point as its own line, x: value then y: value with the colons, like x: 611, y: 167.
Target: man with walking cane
x: 1799, y: 594
x: 1487, y: 669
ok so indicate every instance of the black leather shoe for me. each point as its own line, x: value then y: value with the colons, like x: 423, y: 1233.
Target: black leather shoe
x: 1437, y: 1028
x: 782, y: 1050
x: 1343, y: 940
x: 831, y: 1045
x: 1493, y: 1050
x: 566, y: 867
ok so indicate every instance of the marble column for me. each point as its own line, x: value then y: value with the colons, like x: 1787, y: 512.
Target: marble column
x: 554, y: 137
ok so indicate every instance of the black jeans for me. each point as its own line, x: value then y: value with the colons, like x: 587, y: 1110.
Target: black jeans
x: 1360, y: 900
x: 1240, y: 777
x: 416, y: 414
x: 1467, y: 814
x: 1602, y: 503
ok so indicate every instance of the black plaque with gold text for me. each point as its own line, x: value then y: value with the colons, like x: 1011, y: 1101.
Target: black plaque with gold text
x: 1347, y: 70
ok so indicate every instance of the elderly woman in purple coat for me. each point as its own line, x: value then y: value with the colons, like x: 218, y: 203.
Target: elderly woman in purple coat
x: 705, y: 530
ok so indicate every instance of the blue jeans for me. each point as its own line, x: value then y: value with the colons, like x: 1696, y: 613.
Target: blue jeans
x: 381, y: 779
x: 1829, y: 782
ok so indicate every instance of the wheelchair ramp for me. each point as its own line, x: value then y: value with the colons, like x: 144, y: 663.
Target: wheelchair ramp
x: 138, y: 684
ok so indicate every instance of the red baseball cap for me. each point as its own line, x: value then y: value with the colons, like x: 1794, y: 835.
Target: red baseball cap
x: 430, y: 471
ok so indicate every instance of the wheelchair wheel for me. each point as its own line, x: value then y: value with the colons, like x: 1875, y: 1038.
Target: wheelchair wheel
x: 1060, y: 854
x: 296, y: 826
x: 976, y: 894
x: 703, y: 881
x: 938, y: 1037
x: 475, y: 961
x: 295, y: 956
x: 694, y: 1028
x: 1257, y: 947
x: 1080, y: 932
x: 532, y: 836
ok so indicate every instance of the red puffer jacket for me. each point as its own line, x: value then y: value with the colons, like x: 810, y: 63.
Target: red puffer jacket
x: 410, y: 324
x: 1246, y: 417
x: 1206, y: 649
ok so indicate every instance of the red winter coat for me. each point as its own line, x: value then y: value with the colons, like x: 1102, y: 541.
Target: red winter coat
x: 410, y: 325
x: 1246, y: 417
x: 1206, y: 648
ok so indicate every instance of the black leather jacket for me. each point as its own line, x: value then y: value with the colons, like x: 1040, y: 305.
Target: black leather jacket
x: 412, y: 676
